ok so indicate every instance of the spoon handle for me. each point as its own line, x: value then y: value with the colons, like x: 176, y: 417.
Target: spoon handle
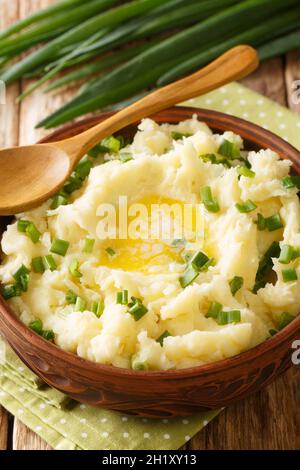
x: 233, y: 65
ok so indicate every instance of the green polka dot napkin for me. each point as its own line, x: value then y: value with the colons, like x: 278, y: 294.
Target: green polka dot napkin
x: 67, y: 425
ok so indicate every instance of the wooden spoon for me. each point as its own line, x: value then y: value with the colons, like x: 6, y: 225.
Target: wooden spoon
x: 31, y: 174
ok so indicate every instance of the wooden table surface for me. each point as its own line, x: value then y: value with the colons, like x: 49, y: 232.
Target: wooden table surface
x: 268, y: 420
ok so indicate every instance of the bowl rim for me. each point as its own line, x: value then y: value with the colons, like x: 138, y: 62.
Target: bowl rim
x: 272, y: 343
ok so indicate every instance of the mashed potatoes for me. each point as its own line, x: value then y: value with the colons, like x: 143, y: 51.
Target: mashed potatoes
x: 161, y: 303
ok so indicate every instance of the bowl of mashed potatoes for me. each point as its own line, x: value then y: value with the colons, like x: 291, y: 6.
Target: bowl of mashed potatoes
x: 164, y: 278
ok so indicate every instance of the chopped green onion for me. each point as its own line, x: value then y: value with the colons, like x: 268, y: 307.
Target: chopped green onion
x: 291, y: 181
x: 48, y: 335
x: 284, y: 319
x: 265, y: 265
x: 22, y: 225
x: 58, y: 200
x: 274, y: 222
x: 36, y: 326
x: 232, y: 316
x: 83, y: 168
x: 179, y: 135
x: 286, y: 254
x: 111, y: 144
x: 261, y: 222
x: 32, y: 232
x: 188, y: 277
x: 229, y: 149
x: 88, y: 245
x: 246, y: 207
x: 214, y: 310
x: 273, y: 332
x: 235, y: 284
x: 161, y: 338
x: 125, y: 157
x: 137, y: 309
x: 110, y: 251
x: 10, y: 291
x: 96, y: 151
x: 73, y: 268
x: 80, y: 304
x: 98, y: 308
x: 289, y: 275
x: 209, y: 202
x: 59, y: 247
x: 199, y: 260
x: 244, y: 171
x: 21, y: 272
x: 22, y: 277
x: 71, y: 297
x: 138, y: 365
x: 73, y: 183
x: 122, y: 297
x: 49, y: 262
x: 209, y: 157
x: 177, y: 242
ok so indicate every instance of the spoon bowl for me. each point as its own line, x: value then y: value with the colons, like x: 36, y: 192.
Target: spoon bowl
x: 29, y: 189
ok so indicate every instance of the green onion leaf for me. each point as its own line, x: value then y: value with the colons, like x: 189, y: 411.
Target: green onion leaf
x: 265, y: 266
x: 161, y: 338
x: 209, y: 202
x: 286, y: 254
x: 59, y: 200
x: 71, y: 297
x: 284, y: 319
x: 246, y: 207
x: 36, y: 326
x: 232, y: 316
x: 48, y: 335
x: 179, y: 135
x: 73, y: 183
x: 137, y: 309
x: 244, y: 171
x: 21, y: 272
x: 273, y: 332
x: 32, y: 232
x: 291, y: 181
x: 289, y: 275
x: 49, y: 262
x: 188, y: 277
x: 274, y: 222
x: 59, y: 247
x: 88, y: 245
x: 22, y: 225
x: 125, y: 157
x: 110, y: 251
x: 83, y: 168
x: 10, y: 291
x: 229, y: 149
x: 214, y: 310
x: 98, y: 308
x: 199, y: 260
x: 74, y: 268
x: 80, y: 304
x: 137, y: 365
x: 261, y: 222
x: 122, y: 297
x: 236, y: 284
x: 111, y: 144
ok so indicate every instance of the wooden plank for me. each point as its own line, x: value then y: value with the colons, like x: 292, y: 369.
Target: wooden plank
x: 25, y: 439
x: 3, y: 428
x: 268, y: 80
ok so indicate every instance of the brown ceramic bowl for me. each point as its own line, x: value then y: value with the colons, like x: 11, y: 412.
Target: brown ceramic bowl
x: 170, y: 393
